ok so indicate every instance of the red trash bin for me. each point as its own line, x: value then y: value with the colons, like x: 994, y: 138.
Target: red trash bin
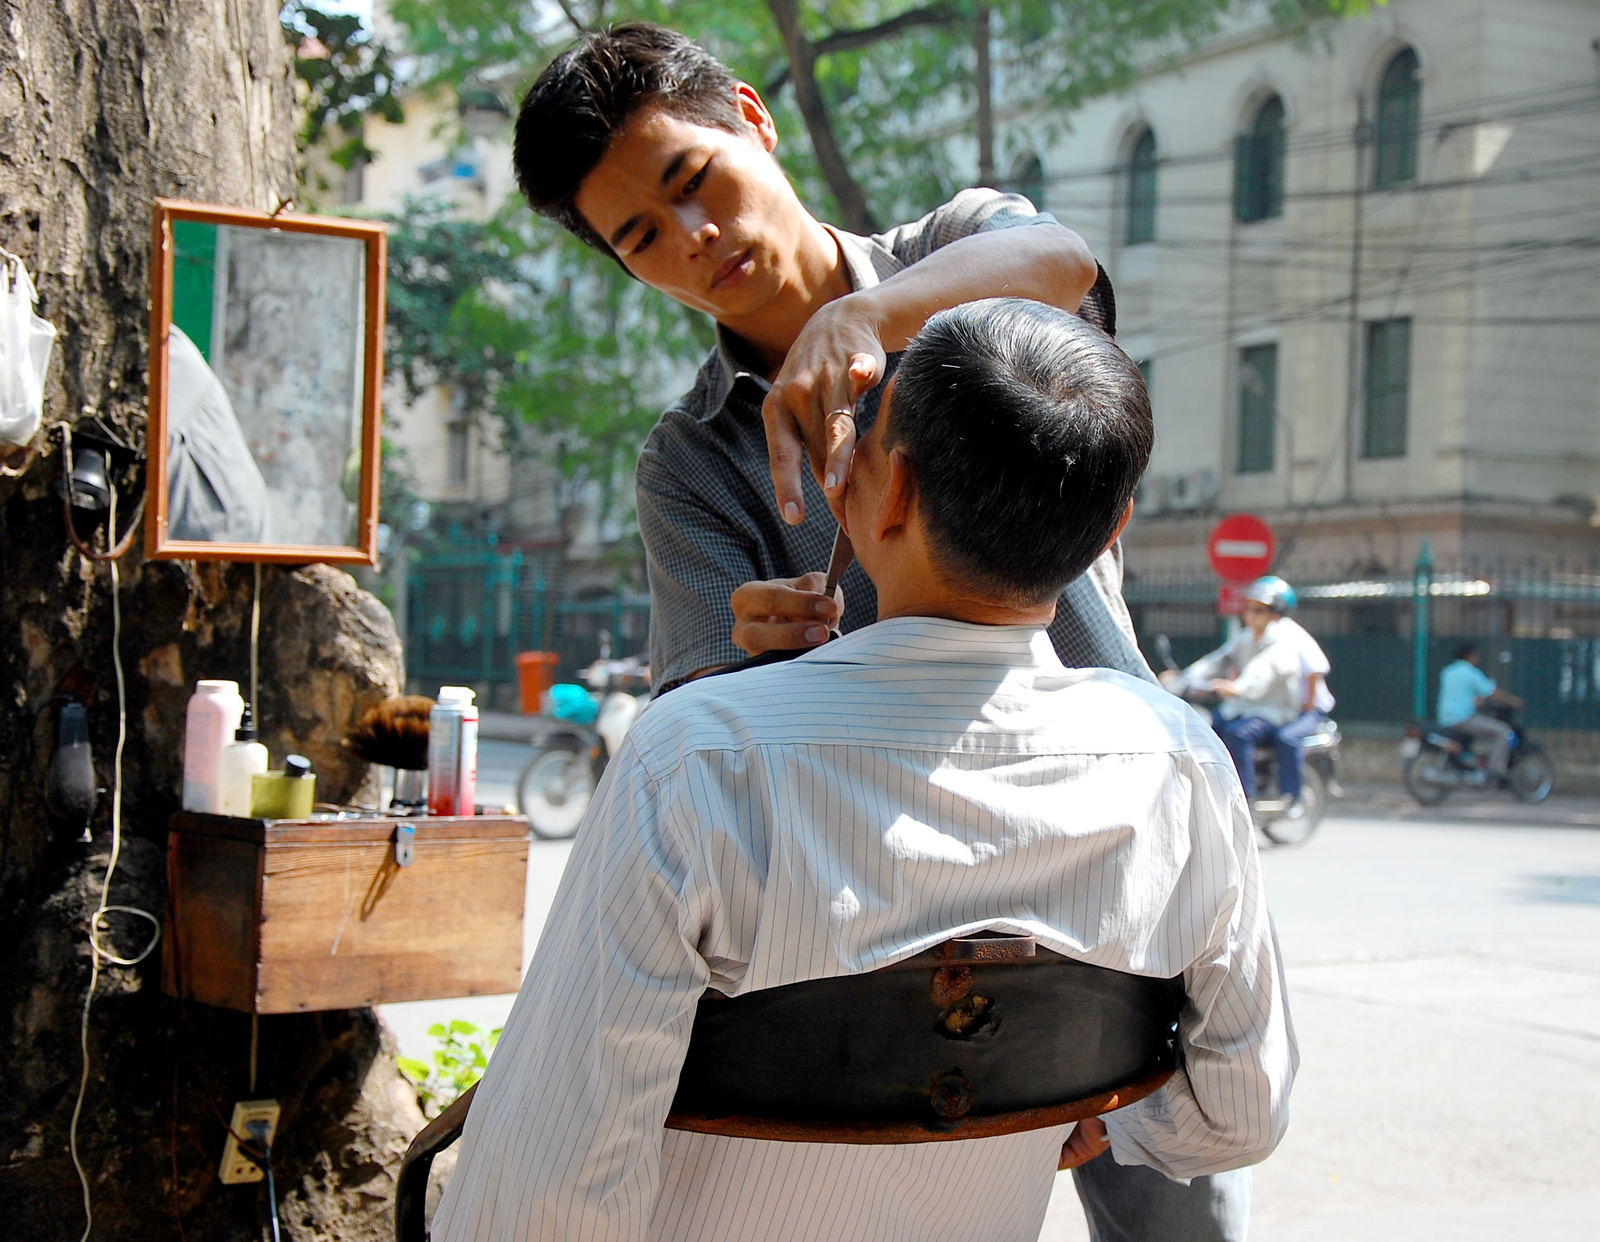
x: 536, y: 673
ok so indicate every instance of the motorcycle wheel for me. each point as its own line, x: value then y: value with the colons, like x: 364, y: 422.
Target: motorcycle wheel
x: 1533, y: 776
x: 1425, y: 779
x: 1282, y: 830
x: 554, y: 790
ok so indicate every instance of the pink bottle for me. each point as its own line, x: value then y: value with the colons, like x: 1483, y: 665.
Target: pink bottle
x: 213, y: 717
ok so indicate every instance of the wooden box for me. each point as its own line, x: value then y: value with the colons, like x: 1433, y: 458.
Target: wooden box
x: 280, y: 916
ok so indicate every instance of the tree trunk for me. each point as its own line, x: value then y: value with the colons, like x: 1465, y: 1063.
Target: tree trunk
x: 985, y: 84
x: 852, y: 199
x: 105, y: 104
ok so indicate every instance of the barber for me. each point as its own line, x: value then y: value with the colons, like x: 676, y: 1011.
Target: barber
x: 648, y: 149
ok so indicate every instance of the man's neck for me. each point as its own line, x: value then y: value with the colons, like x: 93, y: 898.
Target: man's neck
x: 937, y: 601
x: 816, y: 275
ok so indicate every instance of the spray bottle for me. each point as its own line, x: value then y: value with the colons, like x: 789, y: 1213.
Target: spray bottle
x: 453, y: 752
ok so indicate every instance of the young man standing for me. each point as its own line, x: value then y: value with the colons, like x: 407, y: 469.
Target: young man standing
x: 937, y: 773
x: 647, y: 148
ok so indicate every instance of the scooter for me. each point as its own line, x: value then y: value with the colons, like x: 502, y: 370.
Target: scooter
x: 1436, y: 760
x: 571, y: 752
x: 1319, y: 772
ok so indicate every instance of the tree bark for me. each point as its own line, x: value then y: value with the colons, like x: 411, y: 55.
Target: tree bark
x: 847, y: 191
x: 105, y: 104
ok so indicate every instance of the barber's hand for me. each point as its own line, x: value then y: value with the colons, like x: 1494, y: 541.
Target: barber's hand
x: 784, y: 614
x: 1224, y: 688
x: 1087, y: 1140
x: 835, y: 360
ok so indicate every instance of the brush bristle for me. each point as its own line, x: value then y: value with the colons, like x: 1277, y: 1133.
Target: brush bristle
x: 395, y: 732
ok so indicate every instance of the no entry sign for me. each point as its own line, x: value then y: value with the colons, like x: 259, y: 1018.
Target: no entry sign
x: 1240, y: 547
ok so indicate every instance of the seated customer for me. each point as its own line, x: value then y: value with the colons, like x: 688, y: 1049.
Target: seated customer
x: 936, y: 773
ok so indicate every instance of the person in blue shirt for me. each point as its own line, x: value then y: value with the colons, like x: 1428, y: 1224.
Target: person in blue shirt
x: 1463, y: 688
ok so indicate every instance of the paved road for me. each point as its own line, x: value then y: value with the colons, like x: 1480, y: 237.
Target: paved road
x: 1445, y: 982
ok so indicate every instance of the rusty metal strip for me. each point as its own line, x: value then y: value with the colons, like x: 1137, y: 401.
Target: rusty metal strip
x: 788, y: 1130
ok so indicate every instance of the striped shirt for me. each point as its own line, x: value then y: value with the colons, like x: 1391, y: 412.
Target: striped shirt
x: 709, y: 519
x: 914, y: 780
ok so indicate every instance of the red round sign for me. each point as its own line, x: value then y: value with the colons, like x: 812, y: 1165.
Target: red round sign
x: 1240, y: 547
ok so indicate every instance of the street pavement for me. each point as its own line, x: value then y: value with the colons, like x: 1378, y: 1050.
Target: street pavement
x: 1444, y: 977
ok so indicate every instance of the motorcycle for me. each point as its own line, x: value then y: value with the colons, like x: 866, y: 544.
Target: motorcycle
x: 576, y: 743
x: 1319, y: 773
x: 1436, y: 760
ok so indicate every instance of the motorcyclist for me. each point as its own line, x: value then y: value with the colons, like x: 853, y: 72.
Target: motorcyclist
x: 1316, y: 700
x: 1463, y: 688
x: 1258, y: 676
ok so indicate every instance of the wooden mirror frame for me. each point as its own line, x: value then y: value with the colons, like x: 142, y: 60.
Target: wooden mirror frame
x: 157, y: 545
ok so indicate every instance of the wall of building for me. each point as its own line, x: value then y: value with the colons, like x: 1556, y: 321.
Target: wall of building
x: 1489, y: 251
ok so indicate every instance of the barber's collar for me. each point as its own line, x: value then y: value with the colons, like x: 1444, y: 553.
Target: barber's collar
x: 935, y: 640
x: 857, y: 253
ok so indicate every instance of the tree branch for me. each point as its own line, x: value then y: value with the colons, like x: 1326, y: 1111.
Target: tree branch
x: 852, y: 199
x: 865, y: 36
x: 849, y: 40
x: 577, y: 25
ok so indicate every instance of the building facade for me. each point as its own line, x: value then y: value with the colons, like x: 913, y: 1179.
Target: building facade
x: 1359, y: 268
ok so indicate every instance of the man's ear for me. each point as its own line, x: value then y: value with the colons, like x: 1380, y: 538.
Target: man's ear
x: 1117, y: 534
x: 899, y: 497
x: 754, y: 110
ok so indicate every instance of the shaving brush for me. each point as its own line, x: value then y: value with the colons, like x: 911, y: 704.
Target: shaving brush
x: 395, y: 734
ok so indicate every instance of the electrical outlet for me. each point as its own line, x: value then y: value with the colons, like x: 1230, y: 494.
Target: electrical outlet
x: 236, y: 1166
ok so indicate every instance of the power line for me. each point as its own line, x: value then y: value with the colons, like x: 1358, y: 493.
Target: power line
x: 1584, y: 97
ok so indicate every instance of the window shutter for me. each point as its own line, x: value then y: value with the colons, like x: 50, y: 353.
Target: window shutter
x: 1244, y: 179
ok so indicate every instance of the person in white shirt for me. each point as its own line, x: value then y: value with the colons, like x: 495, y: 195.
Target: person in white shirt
x: 1316, y: 700
x: 937, y: 773
x: 1258, y: 674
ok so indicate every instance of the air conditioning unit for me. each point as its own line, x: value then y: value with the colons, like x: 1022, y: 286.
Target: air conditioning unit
x: 1151, y: 494
x: 1191, y: 489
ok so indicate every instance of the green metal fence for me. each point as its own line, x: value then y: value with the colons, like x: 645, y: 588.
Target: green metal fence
x: 1388, y: 636
x: 470, y: 613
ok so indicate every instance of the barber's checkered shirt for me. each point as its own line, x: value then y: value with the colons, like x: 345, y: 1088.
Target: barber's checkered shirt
x: 710, y: 522
x: 914, y: 780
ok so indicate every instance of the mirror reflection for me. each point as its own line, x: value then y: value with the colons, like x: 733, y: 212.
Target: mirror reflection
x: 265, y: 367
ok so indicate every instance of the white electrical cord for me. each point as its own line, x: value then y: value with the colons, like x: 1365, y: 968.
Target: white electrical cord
x: 96, y: 951
x: 255, y: 645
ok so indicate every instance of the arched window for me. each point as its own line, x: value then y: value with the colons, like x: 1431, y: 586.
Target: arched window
x: 1141, y: 190
x: 1399, y: 121
x: 1027, y: 179
x: 1258, y: 166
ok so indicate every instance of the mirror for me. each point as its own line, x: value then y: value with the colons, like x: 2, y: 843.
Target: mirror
x: 266, y: 360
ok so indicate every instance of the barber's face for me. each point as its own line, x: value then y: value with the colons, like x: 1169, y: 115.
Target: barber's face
x: 704, y: 215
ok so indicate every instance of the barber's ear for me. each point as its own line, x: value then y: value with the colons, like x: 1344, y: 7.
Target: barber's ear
x: 899, y: 497
x: 755, y: 112
x: 1117, y: 534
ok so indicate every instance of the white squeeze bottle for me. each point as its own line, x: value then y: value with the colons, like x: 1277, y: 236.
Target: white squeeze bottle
x: 242, y: 759
x: 213, y: 717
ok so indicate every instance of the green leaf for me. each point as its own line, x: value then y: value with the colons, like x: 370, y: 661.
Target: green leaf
x: 417, y: 1071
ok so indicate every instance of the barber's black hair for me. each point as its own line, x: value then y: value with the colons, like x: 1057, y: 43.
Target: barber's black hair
x: 1463, y: 650
x: 1027, y: 430
x: 589, y: 92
